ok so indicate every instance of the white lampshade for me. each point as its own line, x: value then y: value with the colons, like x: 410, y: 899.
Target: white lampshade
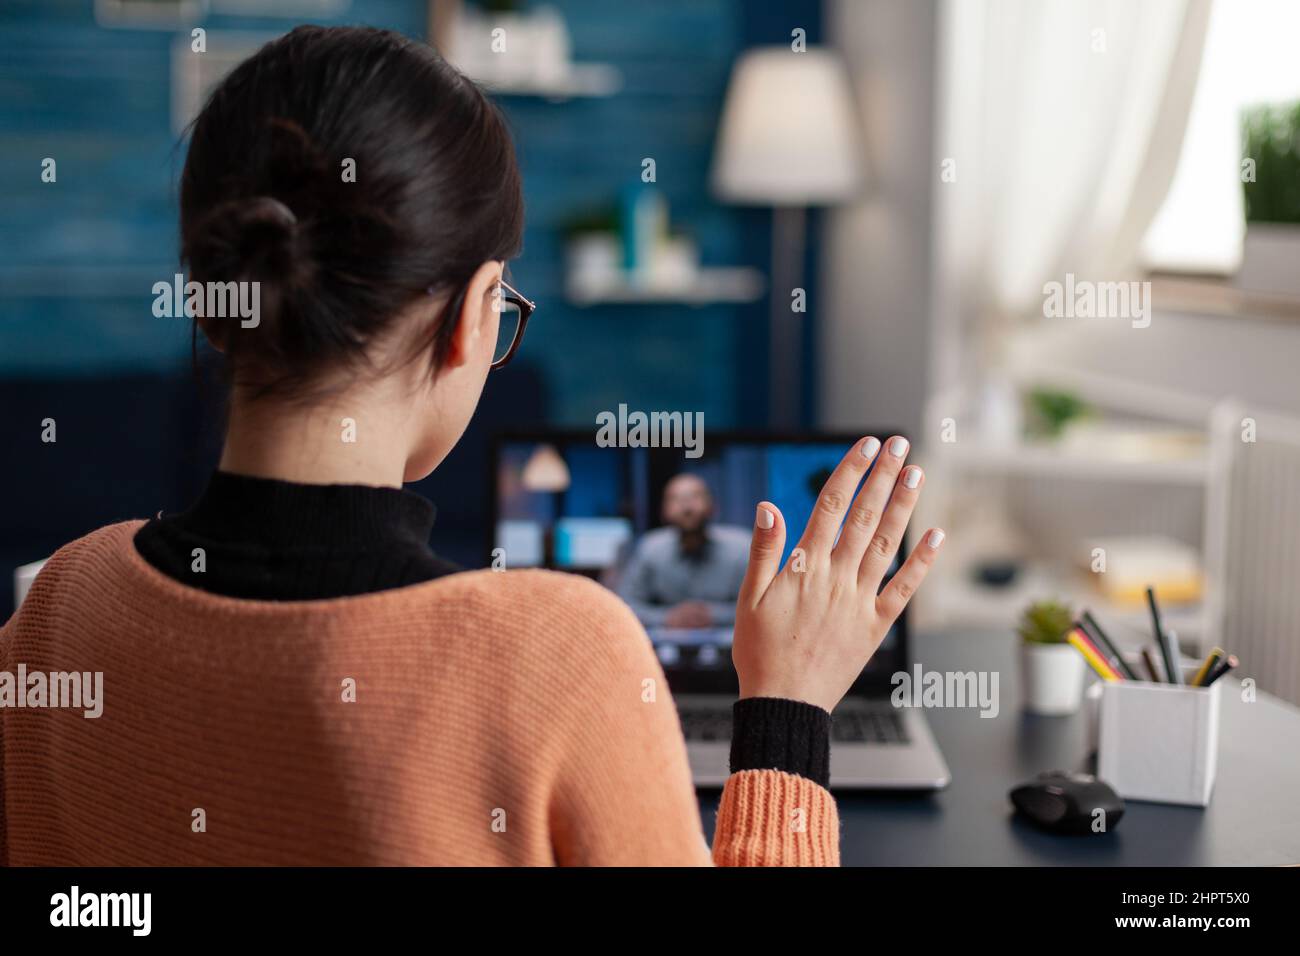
x: 790, y: 134
x: 545, y: 470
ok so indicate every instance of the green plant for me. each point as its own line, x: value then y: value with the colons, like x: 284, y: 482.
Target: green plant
x: 602, y: 219
x: 1050, y: 411
x: 1045, y: 622
x: 1270, y: 136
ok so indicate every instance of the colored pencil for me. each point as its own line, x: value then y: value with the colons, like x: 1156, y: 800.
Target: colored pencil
x: 1093, y: 656
x: 1207, y: 665
x: 1098, y: 636
x: 1225, y: 665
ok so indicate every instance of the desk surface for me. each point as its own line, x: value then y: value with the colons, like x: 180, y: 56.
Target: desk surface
x: 1253, y: 817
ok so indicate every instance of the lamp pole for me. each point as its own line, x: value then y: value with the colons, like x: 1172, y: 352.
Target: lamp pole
x: 785, y: 327
x: 788, y: 139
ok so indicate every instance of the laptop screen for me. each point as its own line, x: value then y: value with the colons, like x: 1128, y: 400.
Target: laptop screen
x: 667, y: 533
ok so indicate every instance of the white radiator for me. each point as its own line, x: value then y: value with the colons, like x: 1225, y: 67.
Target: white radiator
x: 1253, y: 547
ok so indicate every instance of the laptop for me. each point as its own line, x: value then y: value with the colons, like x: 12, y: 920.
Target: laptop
x: 562, y: 502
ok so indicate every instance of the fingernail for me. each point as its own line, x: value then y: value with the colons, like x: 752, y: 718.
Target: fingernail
x: 935, y: 539
x: 869, y: 448
x: 911, y: 477
x: 898, y: 447
x: 764, y: 519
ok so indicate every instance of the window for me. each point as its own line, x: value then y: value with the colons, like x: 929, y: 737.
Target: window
x: 1250, y: 57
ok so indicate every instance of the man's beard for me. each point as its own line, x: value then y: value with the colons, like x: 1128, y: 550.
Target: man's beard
x: 694, y: 542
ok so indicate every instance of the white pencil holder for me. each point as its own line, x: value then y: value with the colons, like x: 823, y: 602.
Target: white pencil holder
x: 1159, y: 742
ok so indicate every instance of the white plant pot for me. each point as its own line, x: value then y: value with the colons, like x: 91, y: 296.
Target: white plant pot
x: 1051, y: 678
x: 1268, y: 259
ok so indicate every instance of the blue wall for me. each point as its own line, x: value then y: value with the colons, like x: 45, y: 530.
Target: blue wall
x: 79, y: 256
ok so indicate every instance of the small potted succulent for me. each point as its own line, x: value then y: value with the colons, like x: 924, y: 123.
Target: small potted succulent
x: 1051, y: 670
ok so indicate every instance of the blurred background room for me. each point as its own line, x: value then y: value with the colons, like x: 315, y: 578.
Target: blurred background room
x: 1056, y: 243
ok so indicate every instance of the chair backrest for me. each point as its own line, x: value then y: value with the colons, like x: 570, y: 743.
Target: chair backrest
x: 1253, y: 545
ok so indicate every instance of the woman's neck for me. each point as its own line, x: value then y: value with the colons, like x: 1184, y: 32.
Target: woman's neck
x: 347, y: 440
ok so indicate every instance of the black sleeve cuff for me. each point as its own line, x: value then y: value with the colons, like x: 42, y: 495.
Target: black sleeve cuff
x: 771, y: 733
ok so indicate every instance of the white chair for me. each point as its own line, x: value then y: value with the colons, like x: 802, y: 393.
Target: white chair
x: 23, y: 578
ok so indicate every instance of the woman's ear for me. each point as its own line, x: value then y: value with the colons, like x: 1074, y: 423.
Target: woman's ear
x: 476, y: 326
x: 214, y: 333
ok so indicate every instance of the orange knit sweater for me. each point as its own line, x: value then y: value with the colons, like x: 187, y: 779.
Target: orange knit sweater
x: 477, y: 719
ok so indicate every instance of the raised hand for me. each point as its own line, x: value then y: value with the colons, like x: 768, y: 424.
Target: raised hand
x: 806, y: 631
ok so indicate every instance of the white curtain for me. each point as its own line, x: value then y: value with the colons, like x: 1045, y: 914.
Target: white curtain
x: 1062, y: 122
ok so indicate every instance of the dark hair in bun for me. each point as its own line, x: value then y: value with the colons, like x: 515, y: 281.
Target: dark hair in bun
x: 264, y: 196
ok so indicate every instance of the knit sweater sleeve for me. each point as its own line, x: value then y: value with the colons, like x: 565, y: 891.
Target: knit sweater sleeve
x: 4, y: 829
x: 623, y: 793
x: 7, y: 666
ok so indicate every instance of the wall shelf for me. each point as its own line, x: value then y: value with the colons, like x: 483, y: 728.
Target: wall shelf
x: 1177, y: 457
x: 1052, y: 462
x: 707, y: 287
x: 953, y: 598
x: 581, y: 80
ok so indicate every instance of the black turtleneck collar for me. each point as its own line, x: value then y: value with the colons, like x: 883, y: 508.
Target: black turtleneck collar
x: 279, y: 540
x: 285, y: 514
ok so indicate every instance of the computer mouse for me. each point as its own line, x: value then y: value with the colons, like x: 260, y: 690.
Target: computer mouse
x: 1064, y: 802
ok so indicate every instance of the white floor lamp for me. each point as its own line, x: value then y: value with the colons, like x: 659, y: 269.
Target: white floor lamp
x: 789, y: 138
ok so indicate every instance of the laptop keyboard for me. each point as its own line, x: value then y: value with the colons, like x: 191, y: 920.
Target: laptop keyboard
x: 870, y: 724
x: 707, y: 724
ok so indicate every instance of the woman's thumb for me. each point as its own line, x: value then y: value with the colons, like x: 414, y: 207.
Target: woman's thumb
x: 765, y: 549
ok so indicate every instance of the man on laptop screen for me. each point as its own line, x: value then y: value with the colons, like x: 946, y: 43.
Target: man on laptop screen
x: 688, y: 573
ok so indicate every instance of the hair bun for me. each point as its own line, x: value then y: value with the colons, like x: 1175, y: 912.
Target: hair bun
x: 273, y: 206
x: 255, y: 239
x: 248, y: 238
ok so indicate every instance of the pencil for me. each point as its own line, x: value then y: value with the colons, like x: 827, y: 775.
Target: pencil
x: 1168, y: 649
x: 1210, y: 660
x: 1098, y: 636
x: 1152, y: 667
x: 1225, y: 665
x: 1090, y: 653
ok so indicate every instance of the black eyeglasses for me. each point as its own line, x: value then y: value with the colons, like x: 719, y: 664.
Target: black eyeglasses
x: 514, y: 311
